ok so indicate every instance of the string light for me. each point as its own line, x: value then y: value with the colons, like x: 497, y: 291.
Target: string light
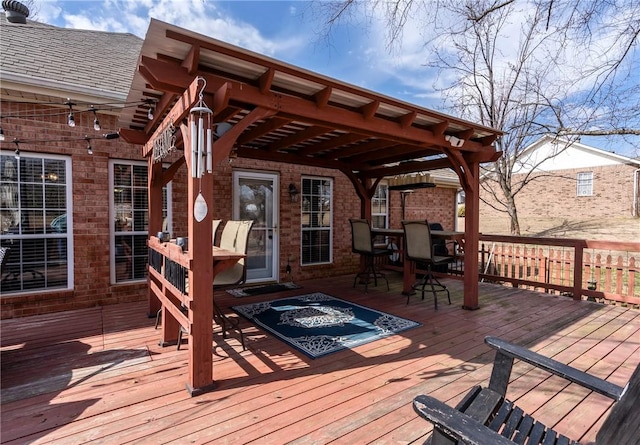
x: 86, y: 138
x: 150, y: 102
x: 96, y: 124
x: 89, y: 149
x: 71, y: 121
x: 107, y: 106
x: 1, y: 135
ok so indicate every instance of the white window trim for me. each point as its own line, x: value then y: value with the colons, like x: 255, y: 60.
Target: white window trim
x: 309, y: 229
x: 579, y: 192
x: 69, y: 208
x: 386, y: 210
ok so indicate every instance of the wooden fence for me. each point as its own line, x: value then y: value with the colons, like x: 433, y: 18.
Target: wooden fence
x: 600, y: 270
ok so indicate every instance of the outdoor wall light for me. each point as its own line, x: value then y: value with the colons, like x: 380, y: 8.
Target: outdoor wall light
x: 454, y: 141
x: 293, y: 192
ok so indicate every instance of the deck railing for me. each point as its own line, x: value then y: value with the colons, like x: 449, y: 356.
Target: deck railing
x: 601, y: 270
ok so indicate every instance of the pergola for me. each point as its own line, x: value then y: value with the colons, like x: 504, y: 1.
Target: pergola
x: 278, y: 112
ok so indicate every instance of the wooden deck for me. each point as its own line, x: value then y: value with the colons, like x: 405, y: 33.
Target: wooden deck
x: 98, y: 375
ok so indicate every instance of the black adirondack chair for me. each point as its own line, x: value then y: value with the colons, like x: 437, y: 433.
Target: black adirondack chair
x: 486, y: 417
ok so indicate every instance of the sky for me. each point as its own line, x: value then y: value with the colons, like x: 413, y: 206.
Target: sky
x: 289, y: 31
x: 355, y: 52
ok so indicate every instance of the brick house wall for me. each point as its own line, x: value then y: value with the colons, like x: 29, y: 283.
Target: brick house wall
x: 553, y: 198
x: 90, y: 191
x: 434, y: 204
x: 91, y: 225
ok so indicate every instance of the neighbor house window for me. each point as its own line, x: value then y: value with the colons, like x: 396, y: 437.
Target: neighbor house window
x: 380, y: 207
x: 130, y: 219
x: 36, y: 250
x: 317, y: 220
x: 585, y: 184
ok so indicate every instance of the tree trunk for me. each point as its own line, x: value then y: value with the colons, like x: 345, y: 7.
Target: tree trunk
x: 514, y: 224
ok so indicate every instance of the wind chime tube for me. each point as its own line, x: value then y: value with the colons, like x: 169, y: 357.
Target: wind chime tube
x: 194, y: 149
x: 201, y: 152
x: 209, y: 154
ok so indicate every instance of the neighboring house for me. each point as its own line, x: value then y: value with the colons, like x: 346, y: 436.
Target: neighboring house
x: 73, y: 210
x: 576, y: 191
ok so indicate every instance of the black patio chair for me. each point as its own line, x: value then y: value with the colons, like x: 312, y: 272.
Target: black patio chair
x: 362, y: 244
x: 418, y: 247
x: 439, y: 249
x: 485, y: 416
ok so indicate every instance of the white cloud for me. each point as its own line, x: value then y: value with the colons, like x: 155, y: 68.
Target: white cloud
x: 204, y: 17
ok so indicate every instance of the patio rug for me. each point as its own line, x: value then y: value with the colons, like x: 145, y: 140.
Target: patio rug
x: 260, y: 290
x: 318, y: 324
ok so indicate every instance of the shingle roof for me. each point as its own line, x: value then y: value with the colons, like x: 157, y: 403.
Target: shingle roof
x: 98, y: 60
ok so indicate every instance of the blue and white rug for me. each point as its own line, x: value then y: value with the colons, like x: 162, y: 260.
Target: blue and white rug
x: 318, y: 324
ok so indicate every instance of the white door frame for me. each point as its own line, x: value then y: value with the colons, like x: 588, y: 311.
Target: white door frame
x: 267, y: 268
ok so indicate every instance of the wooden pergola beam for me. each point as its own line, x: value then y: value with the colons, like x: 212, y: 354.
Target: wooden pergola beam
x: 296, y: 108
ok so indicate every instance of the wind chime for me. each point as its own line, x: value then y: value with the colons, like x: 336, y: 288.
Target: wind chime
x: 201, y: 141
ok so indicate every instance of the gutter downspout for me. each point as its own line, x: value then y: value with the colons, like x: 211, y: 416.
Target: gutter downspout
x: 636, y: 210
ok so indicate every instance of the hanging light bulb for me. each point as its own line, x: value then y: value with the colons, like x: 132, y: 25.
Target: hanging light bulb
x: 17, y: 152
x: 96, y: 123
x: 71, y: 120
x: 149, y: 102
x: 201, y: 136
x: 89, y: 149
x: 1, y: 134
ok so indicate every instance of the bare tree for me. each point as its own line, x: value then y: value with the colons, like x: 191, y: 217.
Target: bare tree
x: 566, y: 71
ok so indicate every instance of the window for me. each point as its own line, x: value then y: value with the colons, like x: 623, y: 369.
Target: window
x: 317, y: 220
x: 380, y: 207
x: 585, y: 184
x: 35, y: 223
x: 130, y: 215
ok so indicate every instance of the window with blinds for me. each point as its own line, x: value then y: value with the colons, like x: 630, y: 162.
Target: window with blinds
x: 317, y: 220
x: 130, y: 216
x: 36, y: 250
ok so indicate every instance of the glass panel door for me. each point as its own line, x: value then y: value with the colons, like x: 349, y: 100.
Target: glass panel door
x: 256, y: 199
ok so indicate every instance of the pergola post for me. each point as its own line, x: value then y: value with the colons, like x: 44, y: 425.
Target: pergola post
x: 200, y: 295
x: 471, y: 238
x: 155, y: 183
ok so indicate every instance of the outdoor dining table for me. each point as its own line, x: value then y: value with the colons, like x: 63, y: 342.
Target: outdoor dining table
x: 408, y: 267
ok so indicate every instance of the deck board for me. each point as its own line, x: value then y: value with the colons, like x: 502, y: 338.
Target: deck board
x: 101, y: 376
